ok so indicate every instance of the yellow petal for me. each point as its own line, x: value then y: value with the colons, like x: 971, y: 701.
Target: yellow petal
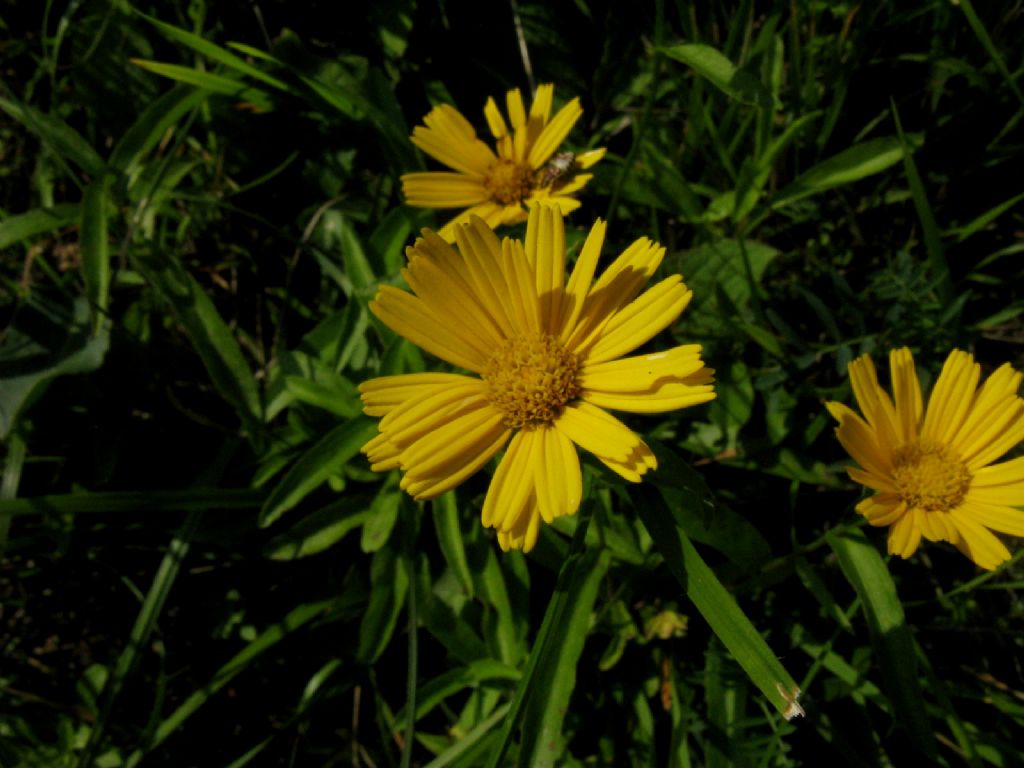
x: 557, y: 475
x: 615, y: 288
x: 951, y: 398
x: 554, y: 133
x: 512, y: 484
x: 413, y: 419
x: 467, y: 449
x: 545, y: 252
x: 490, y: 212
x: 381, y: 453
x: 611, y: 441
x: 906, y: 391
x: 874, y: 401
x: 384, y: 393
x: 448, y: 297
x: 1005, y: 473
x: 410, y: 318
x: 590, y: 158
x: 882, y: 509
x: 524, y: 534
x: 871, y: 480
x: 450, y: 139
x: 994, y: 515
x: 860, y: 441
x: 979, y: 544
x: 905, y: 535
x: 641, y: 320
x: 481, y: 253
x: 494, y: 119
x: 579, y: 281
x: 437, y: 189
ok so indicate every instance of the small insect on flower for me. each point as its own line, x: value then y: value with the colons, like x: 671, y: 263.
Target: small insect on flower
x: 559, y: 170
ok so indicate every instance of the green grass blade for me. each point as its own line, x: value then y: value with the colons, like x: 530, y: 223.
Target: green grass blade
x: 990, y: 48
x: 95, y: 249
x: 143, y: 628
x: 547, y: 640
x: 470, y: 740
x: 214, y: 52
x: 13, y: 462
x: 932, y: 237
x: 14, y: 229
x: 870, y: 578
x: 64, y: 140
x: 225, y: 86
x: 542, y: 742
x: 445, y: 511
x: 389, y: 581
x: 716, y: 605
x: 850, y: 165
x: 324, y: 459
x: 295, y: 619
x: 151, y: 126
x: 475, y: 674
x: 211, y: 337
x: 713, y: 65
x: 134, y: 501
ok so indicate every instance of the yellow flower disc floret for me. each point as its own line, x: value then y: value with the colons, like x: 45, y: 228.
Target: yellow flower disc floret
x: 530, y: 379
x: 509, y: 182
x: 930, y: 477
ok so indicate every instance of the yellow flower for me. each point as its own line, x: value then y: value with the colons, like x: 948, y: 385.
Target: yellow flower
x: 932, y: 467
x: 499, y: 187
x: 547, y: 359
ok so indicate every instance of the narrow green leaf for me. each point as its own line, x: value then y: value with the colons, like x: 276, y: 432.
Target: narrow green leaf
x: 318, y: 531
x: 978, y: 27
x: 151, y: 126
x: 270, y: 637
x: 150, y: 502
x: 542, y: 740
x: 932, y: 237
x: 473, y: 675
x: 460, y: 748
x: 141, y: 630
x: 340, y: 397
x: 449, y: 534
x: 211, y: 338
x: 321, y: 461
x: 225, y: 86
x: 64, y: 140
x: 870, y: 578
x: 389, y: 581
x: 850, y: 165
x: 549, y: 637
x: 712, y: 64
x: 94, y: 245
x: 14, y: 229
x: 716, y: 605
x: 46, y: 338
x: 214, y: 52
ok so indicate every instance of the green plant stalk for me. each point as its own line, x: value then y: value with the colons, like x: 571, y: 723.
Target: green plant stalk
x: 141, y: 631
x: 9, y: 485
x: 638, y: 135
x: 410, y: 680
x: 552, y: 619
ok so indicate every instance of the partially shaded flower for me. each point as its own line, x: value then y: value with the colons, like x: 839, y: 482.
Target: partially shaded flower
x: 931, y: 467
x: 547, y: 359
x: 499, y: 186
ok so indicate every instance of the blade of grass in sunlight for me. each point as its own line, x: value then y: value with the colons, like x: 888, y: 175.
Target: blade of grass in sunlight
x: 321, y: 461
x: 869, y: 576
x: 548, y: 640
x: 716, y: 605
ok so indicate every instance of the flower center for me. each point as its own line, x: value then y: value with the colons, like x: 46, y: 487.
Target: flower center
x: 530, y: 378
x: 509, y: 182
x: 930, y: 477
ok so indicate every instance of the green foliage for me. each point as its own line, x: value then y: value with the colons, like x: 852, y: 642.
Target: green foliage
x: 198, y: 202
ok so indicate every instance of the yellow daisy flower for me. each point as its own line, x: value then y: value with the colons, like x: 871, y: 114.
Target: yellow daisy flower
x: 499, y: 186
x: 932, y: 467
x: 547, y: 359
